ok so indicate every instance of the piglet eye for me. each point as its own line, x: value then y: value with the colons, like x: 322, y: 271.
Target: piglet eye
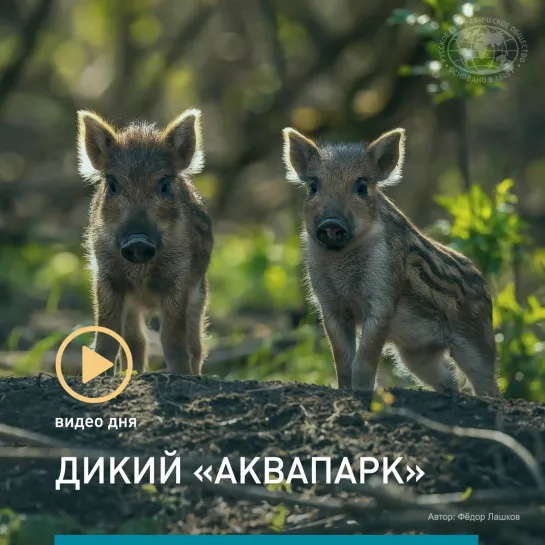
x: 111, y: 186
x: 165, y: 186
x: 361, y: 186
x: 313, y: 186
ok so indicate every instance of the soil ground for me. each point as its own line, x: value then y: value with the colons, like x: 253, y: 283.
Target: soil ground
x: 205, y: 416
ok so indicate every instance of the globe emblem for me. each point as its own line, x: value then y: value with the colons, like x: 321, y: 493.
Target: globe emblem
x: 483, y: 50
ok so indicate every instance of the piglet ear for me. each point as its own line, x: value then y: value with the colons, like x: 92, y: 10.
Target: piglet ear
x: 183, y: 135
x: 387, y: 154
x: 299, y: 152
x: 95, y: 140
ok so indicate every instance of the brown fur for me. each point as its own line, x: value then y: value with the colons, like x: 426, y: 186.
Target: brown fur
x: 174, y: 283
x: 390, y: 285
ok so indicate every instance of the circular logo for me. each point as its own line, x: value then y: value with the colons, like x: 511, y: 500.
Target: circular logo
x: 95, y: 363
x: 483, y: 49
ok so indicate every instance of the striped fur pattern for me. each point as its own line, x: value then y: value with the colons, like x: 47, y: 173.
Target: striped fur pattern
x: 142, y: 161
x: 389, y: 287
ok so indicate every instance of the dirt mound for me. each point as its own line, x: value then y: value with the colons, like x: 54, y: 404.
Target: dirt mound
x: 204, y: 418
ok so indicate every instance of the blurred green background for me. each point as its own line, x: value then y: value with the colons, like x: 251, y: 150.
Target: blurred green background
x: 342, y: 69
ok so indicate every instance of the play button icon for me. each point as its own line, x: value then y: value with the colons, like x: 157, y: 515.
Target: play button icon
x: 93, y: 365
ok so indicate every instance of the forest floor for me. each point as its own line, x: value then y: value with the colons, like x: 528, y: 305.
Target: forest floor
x: 205, y: 419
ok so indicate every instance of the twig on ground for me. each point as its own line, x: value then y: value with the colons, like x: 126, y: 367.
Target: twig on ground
x: 334, y: 524
x: 29, y: 437
x: 490, y: 435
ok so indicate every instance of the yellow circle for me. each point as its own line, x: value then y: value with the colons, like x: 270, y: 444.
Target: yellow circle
x: 69, y: 339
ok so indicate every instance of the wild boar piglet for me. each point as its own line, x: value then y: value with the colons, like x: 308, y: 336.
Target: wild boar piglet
x: 149, y: 237
x: 377, y: 280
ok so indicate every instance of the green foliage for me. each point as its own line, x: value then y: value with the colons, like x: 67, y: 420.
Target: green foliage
x: 492, y: 234
x: 43, y: 271
x: 521, y: 353
x: 52, y: 275
x: 381, y: 400
x: 309, y: 360
x: 18, y: 529
x: 256, y: 271
x: 279, y: 512
x: 487, y: 230
x: 30, y: 363
x: 436, y: 30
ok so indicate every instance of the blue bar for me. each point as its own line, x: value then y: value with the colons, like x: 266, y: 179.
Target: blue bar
x: 268, y: 540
